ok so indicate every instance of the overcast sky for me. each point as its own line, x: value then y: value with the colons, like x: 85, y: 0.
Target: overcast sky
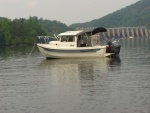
x: 65, y: 11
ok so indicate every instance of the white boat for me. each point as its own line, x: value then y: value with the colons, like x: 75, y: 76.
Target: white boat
x: 131, y: 37
x: 74, y: 44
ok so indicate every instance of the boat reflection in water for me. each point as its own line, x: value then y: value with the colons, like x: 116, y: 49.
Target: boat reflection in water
x: 61, y: 71
x: 79, y: 66
x: 114, y: 63
x: 76, y: 82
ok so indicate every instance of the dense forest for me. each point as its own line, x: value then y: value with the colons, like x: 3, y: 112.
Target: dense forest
x: 137, y: 14
x: 25, y: 31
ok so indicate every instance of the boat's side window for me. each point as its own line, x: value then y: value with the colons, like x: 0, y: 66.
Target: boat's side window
x: 63, y: 39
x: 70, y: 39
x: 67, y: 39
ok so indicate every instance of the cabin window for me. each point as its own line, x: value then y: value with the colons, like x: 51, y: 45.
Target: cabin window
x: 67, y: 39
x: 84, y: 41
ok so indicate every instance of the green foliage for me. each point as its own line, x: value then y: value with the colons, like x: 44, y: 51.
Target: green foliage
x: 4, y: 31
x: 7, y: 36
x: 25, y: 31
x: 134, y: 15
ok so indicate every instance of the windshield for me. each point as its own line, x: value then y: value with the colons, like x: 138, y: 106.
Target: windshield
x: 67, y: 39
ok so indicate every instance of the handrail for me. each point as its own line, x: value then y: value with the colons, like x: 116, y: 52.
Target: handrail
x: 44, y: 39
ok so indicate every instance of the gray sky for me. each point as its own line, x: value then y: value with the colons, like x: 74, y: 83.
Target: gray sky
x: 65, y: 11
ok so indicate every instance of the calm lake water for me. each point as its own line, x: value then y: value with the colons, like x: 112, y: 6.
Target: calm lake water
x: 95, y: 85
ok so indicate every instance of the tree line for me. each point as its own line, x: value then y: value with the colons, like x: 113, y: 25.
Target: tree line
x: 25, y: 31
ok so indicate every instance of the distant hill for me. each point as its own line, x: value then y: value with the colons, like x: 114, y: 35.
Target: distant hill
x: 134, y: 15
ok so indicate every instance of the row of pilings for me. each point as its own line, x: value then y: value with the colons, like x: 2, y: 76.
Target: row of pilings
x: 126, y: 32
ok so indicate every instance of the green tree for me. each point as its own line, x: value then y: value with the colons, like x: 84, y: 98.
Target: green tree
x: 25, y: 31
x: 7, y: 37
x: 4, y: 30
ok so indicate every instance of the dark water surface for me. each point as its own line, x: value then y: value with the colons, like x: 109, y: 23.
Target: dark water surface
x: 95, y: 85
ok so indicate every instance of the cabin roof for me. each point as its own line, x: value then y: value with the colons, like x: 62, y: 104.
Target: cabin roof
x: 78, y: 32
x: 71, y: 33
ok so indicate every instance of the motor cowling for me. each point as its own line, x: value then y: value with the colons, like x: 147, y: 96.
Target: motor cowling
x: 113, y: 46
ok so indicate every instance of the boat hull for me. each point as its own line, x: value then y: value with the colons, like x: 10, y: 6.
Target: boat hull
x: 50, y: 52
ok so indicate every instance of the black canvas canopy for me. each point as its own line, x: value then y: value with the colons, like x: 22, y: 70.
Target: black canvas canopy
x: 93, y: 31
x: 97, y: 30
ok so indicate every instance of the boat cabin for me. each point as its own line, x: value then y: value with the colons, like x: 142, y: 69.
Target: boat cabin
x: 75, y: 39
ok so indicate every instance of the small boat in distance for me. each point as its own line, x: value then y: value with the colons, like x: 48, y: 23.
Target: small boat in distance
x: 131, y: 37
x: 77, y: 44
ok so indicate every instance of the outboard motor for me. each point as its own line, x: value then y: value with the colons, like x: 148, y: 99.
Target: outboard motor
x: 113, y: 46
